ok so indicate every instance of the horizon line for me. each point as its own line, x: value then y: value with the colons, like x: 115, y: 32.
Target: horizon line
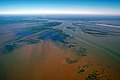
x: 56, y: 12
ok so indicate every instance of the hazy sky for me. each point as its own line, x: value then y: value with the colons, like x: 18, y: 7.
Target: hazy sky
x: 60, y: 7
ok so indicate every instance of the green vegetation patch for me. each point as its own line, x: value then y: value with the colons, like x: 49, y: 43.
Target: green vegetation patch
x: 69, y: 61
x: 81, y: 70
x: 93, y: 76
x: 94, y: 32
x: 81, y: 51
x: 8, y: 48
x: 72, y: 28
x: 61, y: 32
x: 51, y: 24
x: 30, y: 41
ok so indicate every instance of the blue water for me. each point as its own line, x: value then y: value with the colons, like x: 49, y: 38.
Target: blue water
x: 25, y: 33
x: 55, y: 36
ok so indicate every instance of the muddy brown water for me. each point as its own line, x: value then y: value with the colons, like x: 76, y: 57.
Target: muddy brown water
x: 43, y: 61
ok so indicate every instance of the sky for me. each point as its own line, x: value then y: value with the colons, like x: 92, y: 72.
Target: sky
x: 103, y: 7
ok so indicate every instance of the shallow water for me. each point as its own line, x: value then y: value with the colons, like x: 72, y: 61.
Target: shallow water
x: 38, y: 51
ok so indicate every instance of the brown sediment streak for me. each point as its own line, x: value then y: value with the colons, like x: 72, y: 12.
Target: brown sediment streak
x: 45, y: 61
